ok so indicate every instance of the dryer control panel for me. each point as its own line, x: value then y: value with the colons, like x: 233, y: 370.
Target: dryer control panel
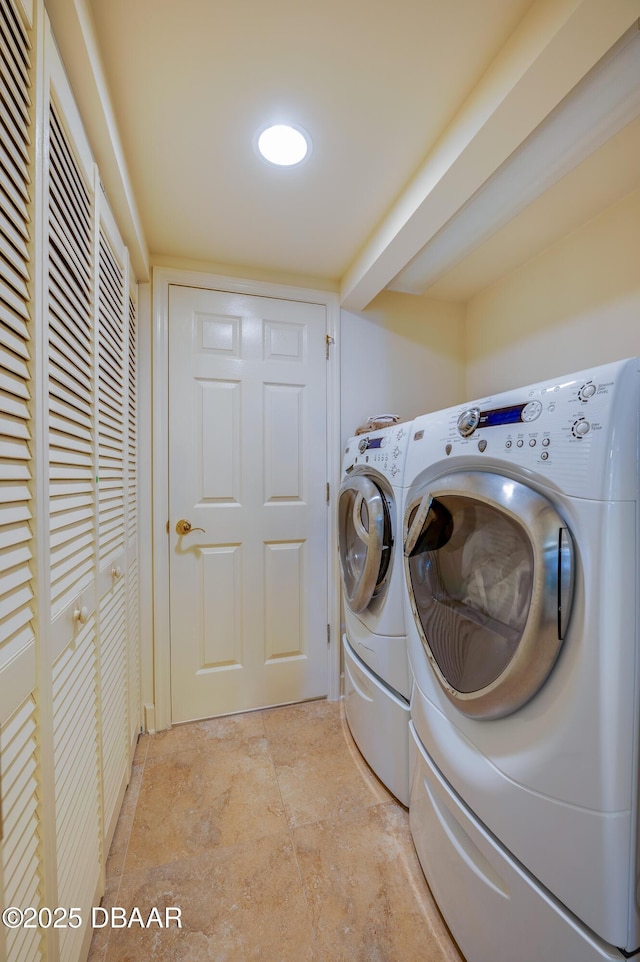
x: 579, y: 433
x: 384, y: 450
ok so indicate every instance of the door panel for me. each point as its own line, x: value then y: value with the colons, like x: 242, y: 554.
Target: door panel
x: 247, y: 451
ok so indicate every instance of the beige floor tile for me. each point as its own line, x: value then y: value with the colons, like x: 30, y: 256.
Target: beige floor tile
x: 207, y: 735
x: 120, y: 842
x: 297, y: 730
x: 320, y: 772
x: 193, y: 801
x: 361, y: 877
x: 99, y: 954
x: 142, y: 748
x: 240, y: 903
x: 101, y: 935
x: 203, y: 827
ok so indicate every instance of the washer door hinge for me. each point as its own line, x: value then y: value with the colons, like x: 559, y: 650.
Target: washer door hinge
x: 329, y: 339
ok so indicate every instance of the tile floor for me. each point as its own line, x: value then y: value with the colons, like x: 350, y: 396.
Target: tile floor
x: 276, y: 841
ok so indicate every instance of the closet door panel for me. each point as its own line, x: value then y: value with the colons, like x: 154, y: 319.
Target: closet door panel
x: 17, y: 641
x: 70, y: 383
x: 75, y: 689
x: 112, y: 462
x: 20, y: 841
x: 72, y: 508
x: 20, y: 863
x: 133, y: 622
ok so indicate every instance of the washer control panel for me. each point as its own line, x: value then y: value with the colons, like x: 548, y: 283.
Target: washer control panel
x: 475, y: 417
x: 385, y: 450
x: 578, y: 432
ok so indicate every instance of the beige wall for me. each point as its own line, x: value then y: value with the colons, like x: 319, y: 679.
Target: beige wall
x: 402, y: 355
x: 575, y: 305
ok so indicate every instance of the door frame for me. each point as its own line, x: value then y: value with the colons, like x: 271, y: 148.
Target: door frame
x: 162, y: 278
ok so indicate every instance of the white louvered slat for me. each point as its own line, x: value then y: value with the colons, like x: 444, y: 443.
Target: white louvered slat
x: 16, y: 593
x: 111, y: 456
x: 75, y: 723
x: 111, y: 405
x: 20, y: 844
x: 114, y: 695
x: 71, y: 470
x: 20, y: 855
x: 133, y: 627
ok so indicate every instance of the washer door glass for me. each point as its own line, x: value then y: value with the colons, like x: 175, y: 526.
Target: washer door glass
x: 490, y: 569
x: 365, y: 541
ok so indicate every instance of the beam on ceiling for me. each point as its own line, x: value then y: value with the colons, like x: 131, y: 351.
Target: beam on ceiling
x: 554, y: 47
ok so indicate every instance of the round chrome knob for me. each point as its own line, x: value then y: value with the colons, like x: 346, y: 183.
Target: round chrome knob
x: 468, y: 422
x: 362, y: 445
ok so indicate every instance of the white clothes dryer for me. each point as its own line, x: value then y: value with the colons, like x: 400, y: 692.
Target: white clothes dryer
x: 521, y: 556
x: 377, y: 684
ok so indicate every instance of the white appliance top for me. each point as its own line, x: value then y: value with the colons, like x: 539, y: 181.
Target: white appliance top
x: 385, y: 450
x: 577, y: 434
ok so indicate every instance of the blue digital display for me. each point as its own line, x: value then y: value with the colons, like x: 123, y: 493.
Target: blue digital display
x: 374, y: 443
x: 510, y: 415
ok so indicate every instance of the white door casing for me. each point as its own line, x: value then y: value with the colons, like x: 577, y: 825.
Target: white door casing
x: 248, y: 464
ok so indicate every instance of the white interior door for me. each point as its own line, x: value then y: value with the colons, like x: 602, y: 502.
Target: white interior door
x: 247, y: 466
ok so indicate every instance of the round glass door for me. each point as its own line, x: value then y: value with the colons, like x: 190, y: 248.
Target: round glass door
x: 489, y: 564
x: 365, y: 539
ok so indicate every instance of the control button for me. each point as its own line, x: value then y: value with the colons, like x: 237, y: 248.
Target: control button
x: 482, y: 445
x: 580, y: 428
x: 468, y: 422
x: 363, y: 445
x: 587, y: 391
x: 532, y: 442
x: 531, y: 411
x: 401, y: 433
x: 397, y: 452
x: 508, y: 444
x: 418, y: 436
x: 544, y: 455
x: 546, y: 442
x: 394, y: 469
x: 448, y: 449
x: 520, y: 442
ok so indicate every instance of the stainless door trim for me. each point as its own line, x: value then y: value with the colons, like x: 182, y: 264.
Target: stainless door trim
x: 366, y: 492
x: 551, y: 596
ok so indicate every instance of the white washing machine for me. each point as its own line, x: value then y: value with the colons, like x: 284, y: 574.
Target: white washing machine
x: 377, y: 678
x: 520, y: 542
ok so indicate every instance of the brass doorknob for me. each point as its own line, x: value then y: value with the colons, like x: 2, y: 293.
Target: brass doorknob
x: 184, y: 527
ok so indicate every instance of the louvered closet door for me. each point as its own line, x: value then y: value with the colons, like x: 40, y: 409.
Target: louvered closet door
x: 112, y: 368
x: 133, y: 602
x: 20, y: 856
x: 72, y: 507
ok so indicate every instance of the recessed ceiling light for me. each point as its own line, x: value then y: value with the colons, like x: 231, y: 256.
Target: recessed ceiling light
x: 284, y: 145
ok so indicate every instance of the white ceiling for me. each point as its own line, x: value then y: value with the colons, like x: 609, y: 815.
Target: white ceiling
x: 373, y: 82
x: 376, y: 85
